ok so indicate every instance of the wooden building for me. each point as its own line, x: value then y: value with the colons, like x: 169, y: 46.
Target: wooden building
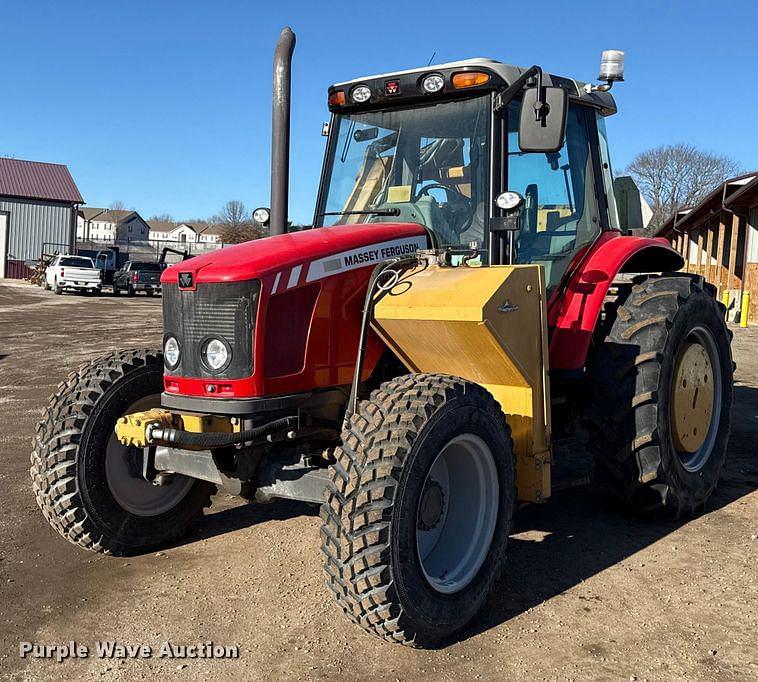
x: 718, y: 239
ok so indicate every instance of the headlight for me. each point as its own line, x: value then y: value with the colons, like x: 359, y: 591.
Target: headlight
x: 171, y: 352
x: 261, y: 215
x: 361, y: 94
x: 509, y: 200
x: 433, y: 83
x: 215, y: 354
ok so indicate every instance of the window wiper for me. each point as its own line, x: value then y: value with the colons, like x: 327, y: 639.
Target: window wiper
x: 377, y: 211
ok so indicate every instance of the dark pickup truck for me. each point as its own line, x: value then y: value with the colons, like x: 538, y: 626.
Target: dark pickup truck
x: 135, y: 276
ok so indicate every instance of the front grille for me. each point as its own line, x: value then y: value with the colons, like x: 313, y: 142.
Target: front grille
x: 221, y: 310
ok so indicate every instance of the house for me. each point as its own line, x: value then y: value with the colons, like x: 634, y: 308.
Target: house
x: 201, y: 233
x: 172, y: 232
x: 209, y: 234
x: 38, y: 205
x: 718, y: 239
x: 114, y: 225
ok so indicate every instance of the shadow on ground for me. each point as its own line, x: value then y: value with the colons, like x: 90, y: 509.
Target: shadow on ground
x: 582, y: 531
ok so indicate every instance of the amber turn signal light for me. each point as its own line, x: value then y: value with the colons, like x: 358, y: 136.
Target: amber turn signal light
x: 468, y: 79
x: 337, y: 98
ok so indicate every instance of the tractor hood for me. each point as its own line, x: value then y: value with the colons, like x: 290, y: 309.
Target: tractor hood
x: 319, y: 252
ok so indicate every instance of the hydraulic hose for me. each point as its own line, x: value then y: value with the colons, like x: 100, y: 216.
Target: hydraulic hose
x: 368, y: 311
x: 211, y: 440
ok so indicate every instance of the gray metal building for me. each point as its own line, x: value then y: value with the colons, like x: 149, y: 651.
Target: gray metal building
x: 38, y: 206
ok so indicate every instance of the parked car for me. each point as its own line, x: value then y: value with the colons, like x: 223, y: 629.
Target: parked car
x: 137, y: 276
x: 73, y: 272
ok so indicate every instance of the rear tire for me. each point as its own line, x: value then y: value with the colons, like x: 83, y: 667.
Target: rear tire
x: 87, y: 485
x: 387, y: 494
x: 644, y: 448
x: 130, y: 290
x: 57, y: 288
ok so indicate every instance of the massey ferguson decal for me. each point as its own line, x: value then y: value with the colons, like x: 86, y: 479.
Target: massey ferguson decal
x: 365, y: 255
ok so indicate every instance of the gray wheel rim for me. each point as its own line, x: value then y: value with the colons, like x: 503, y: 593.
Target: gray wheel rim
x: 457, y: 513
x: 694, y: 461
x: 133, y: 493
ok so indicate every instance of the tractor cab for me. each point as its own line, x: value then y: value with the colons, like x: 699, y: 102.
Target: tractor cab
x: 439, y: 145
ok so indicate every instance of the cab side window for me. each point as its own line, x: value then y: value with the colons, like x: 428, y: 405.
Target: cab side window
x: 560, y: 213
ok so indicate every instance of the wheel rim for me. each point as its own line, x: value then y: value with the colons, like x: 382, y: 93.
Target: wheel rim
x: 457, y: 513
x: 124, y: 475
x: 696, y: 399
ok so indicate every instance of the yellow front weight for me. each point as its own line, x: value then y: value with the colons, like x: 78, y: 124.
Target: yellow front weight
x: 132, y: 429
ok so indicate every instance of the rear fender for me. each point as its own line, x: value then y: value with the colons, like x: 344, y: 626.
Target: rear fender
x: 576, y: 309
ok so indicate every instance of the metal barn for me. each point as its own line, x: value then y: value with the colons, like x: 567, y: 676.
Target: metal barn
x: 38, y: 205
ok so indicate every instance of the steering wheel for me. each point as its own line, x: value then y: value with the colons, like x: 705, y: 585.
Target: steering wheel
x: 437, y: 185
x: 458, y: 210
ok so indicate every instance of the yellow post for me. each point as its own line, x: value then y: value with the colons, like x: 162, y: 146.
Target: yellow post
x: 725, y: 301
x: 744, y: 308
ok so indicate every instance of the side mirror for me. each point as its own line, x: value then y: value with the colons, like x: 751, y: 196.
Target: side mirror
x: 543, y: 119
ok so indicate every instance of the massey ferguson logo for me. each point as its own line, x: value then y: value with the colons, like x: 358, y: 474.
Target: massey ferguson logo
x: 391, y: 88
x: 185, y: 280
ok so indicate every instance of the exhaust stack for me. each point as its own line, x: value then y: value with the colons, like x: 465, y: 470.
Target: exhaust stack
x: 280, y: 131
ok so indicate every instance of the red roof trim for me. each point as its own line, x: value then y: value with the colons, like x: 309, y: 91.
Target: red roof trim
x: 36, y: 180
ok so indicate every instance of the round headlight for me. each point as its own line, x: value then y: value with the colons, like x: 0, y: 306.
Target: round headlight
x: 509, y: 200
x: 215, y: 354
x: 433, y: 83
x: 171, y: 352
x: 361, y: 94
x: 261, y: 216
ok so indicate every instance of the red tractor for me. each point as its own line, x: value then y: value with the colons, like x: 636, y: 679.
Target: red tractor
x: 468, y: 300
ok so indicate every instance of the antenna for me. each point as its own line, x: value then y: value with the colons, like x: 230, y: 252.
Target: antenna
x: 431, y: 58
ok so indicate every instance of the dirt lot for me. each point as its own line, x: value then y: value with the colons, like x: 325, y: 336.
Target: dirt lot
x: 588, y: 591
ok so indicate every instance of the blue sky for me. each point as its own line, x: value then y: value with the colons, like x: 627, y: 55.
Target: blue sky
x: 166, y: 105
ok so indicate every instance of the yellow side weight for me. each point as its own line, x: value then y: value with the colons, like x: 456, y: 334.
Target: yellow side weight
x: 487, y: 325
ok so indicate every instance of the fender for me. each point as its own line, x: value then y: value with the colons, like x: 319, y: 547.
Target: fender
x: 575, y: 309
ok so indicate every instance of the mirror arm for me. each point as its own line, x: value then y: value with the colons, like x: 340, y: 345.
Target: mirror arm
x: 504, y: 97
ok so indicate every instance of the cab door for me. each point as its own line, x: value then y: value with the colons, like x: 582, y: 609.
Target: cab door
x: 564, y: 209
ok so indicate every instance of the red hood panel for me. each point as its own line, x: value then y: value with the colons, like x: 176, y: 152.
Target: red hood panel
x: 261, y: 257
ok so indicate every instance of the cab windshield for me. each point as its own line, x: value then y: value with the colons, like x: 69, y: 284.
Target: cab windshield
x: 426, y: 165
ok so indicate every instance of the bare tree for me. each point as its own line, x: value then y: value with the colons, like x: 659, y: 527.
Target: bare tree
x: 236, y: 224
x: 161, y: 218
x: 675, y: 176
x: 117, y: 205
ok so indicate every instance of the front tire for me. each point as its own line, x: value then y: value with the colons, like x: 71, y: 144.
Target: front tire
x: 57, y: 288
x: 90, y: 487
x: 419, y: 508
x: 660, y: 384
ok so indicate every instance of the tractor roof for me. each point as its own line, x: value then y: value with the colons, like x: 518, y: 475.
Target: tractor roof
x: 508, y: 73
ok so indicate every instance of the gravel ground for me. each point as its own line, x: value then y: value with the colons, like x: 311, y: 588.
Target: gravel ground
x: 588, y: 592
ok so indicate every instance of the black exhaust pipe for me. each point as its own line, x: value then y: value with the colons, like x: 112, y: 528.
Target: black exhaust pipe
x: 280, y: 132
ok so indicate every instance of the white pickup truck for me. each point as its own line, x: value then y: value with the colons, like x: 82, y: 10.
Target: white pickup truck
x: 73, y: 272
